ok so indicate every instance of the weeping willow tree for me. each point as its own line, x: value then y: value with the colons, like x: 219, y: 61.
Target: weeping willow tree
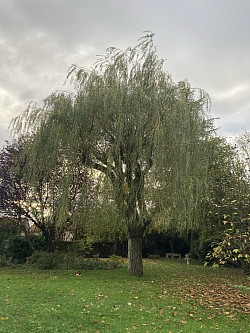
x: 129, y: 121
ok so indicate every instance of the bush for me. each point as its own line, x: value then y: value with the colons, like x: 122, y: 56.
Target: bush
x: 38, y: 243
x: 46, y: 260
x: 234, y: 248
x: 115, y: 261
x: 17, y: 249
x: 87, y: 264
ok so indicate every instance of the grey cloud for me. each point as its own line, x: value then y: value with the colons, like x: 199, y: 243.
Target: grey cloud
x: 206, y: 42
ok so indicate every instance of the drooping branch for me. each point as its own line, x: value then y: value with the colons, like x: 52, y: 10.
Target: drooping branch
x: 131, y: 122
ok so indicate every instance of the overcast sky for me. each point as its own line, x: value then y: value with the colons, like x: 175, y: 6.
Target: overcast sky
x: 204, y: 41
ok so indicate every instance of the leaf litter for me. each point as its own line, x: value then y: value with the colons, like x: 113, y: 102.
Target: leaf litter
x: 217, y: 296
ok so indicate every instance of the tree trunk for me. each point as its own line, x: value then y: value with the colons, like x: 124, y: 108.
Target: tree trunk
x: 135, y: 235
x: 24, y: 224
x: 116, y: 244
x: 50, y: 243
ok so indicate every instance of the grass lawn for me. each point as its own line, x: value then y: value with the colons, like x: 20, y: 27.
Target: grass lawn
x: 170, y: 297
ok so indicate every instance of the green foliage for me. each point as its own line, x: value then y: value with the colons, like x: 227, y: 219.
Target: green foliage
x: 9, y: 226
x: 17, y: 248
x: 243, y: 144
x: 38, y: 242
x: 47, y: 260
x: 234, y: 249
x: 115, y: 261
x: 85, y: 245
x: 49, y: 196
x: 13, y: 247
x: 131, y: 123
x: 229, y: 193
x: 81, y: 263
x: 229, y: 210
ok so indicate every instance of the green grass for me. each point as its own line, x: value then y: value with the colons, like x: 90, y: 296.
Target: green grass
x: 110, y: 301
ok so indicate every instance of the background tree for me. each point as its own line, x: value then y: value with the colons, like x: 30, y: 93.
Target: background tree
x: 226, y: 184
x: 12, y: 189
x: 243, y: 145
x: 227, y: 229
x: 32, y: 192
x: 233, y: 246
x: 129, y: 121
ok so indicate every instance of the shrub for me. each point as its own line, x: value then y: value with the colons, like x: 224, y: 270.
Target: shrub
x: 234, y: 248
x: 46, y: 260
x: 38, y: 243
x: 115, y: 261
x: 17, y: 248
x: 87, y: 264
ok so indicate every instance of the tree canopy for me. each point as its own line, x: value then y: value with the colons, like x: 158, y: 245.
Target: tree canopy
x: 129, y: 121
x: 29, y: 191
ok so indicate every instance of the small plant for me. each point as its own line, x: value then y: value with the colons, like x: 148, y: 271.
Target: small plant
x: 115, y: 261
x: 242, y: 287
x: 45, y: 260
x: 86, y: 264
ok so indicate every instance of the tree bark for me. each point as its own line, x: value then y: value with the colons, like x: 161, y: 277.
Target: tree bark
x: 49, y: 236
x: 116, y: 244
x: 135, y: 235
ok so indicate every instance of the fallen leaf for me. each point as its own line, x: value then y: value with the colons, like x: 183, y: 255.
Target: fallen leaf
x: 219, y: 296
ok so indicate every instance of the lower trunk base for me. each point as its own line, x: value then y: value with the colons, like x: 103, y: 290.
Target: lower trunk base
x: 135, y: 267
